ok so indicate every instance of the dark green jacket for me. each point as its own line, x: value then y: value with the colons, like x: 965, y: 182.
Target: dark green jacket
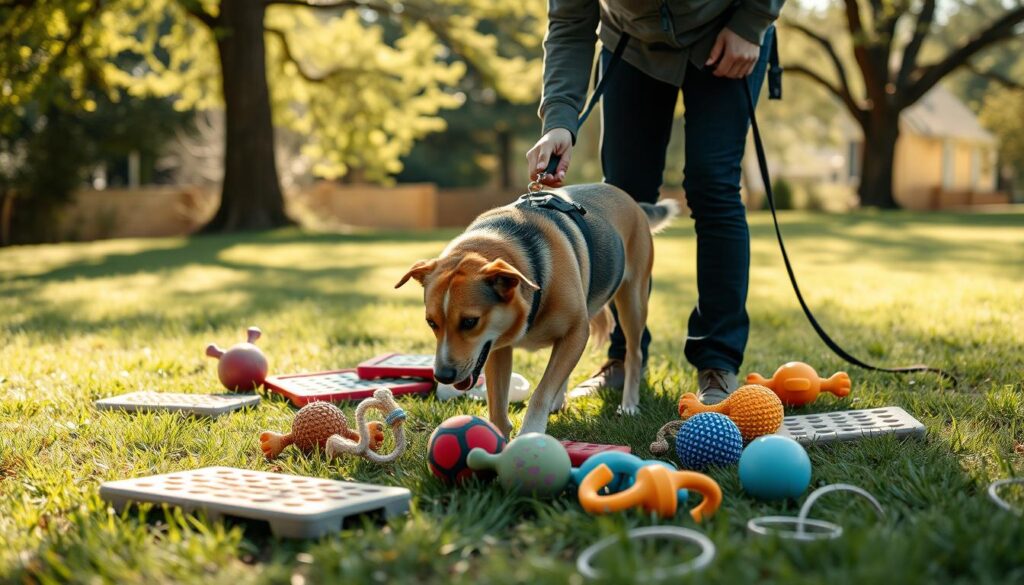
x: 666, y: 35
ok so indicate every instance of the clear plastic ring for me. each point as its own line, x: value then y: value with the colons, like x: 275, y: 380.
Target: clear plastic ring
x: 768, y: 526
x: 700, y: 562
x: 993, y: 494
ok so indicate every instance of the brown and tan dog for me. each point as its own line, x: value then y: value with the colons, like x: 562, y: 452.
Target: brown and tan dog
x: 537, y: 273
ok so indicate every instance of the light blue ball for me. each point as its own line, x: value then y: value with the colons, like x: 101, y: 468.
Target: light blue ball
x: 774, y: 467
x: 708, y: 439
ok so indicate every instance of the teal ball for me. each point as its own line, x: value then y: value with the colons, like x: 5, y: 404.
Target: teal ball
x: 707, y: 439
x: 774, y: 467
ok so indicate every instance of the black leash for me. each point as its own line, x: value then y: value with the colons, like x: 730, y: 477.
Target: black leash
x: 774, y: 92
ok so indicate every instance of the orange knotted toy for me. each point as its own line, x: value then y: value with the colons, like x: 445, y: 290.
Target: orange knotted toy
x: 796, y: 383
x: 655, y: 488
x: 313, y: 425
x: 756, y: 410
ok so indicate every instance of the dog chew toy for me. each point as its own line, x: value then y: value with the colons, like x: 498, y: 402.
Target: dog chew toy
x: 756, y: 410
x: 655, y: 488
x: 312, y: 426
x: 534, y: 464
x: 774, y: 468
x: 797, y: 383
x: 242, y: 367
x: 706, y: 439
x: 624, y: 467
x: 384, y: 401
x: 450, y: 443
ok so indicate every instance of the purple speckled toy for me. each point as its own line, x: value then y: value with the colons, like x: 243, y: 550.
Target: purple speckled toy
x: 533, y: 463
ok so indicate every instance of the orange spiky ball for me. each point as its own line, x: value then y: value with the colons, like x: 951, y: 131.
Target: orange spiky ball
x: 756, y: 410
x: 313, y: 425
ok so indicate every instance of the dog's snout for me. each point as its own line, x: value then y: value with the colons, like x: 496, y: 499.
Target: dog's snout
x: 445, y: 374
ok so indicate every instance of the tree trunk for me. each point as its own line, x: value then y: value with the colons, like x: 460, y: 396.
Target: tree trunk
x: 251, y: 196
x: 876, y: 172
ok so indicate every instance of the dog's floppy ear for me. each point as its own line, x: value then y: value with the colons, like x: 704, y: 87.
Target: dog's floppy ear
x: 419, y: 271
x: 504, y: 278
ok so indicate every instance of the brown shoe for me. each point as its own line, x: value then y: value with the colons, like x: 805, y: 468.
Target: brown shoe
x: 714, y: 386
x: 612, y: 375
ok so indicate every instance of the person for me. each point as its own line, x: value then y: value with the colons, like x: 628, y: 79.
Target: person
x: 707, y: 49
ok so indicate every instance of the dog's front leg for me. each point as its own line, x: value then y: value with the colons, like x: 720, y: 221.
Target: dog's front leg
x: 565, y: 354
x: 498, y: 375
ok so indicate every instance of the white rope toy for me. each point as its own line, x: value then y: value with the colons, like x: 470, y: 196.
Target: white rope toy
x: 767, y: 525
x: 701, y: 561
x: 384, y: 401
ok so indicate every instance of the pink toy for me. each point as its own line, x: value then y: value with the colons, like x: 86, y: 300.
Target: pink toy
x: 243, y: 367
x: 580, y: 452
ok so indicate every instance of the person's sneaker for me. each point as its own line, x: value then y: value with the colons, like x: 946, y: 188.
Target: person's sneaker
x: 612, y: 375
x: 714, y: 386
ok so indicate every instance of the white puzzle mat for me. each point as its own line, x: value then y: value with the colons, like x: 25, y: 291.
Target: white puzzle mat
x: 848, y: 425
x: 212, y: 405
x: 293, y: 505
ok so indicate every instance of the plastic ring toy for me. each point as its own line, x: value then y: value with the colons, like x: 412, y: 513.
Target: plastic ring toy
x: 700, y: 562
x: 766, y: 525
x: 993, y: 494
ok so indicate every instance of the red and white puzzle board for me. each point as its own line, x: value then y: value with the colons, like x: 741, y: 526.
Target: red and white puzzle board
x: 295, y: 506
x: 212, y: 405
x: 398, y: 365
x: 338, y: 385
x: 849, y: 425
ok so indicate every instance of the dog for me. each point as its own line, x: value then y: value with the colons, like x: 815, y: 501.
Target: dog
x: 537, y: 273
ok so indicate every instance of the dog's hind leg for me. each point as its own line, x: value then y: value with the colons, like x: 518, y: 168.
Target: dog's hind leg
x: 565, y: 354
x: 631, y: 302
x: 498, y: 375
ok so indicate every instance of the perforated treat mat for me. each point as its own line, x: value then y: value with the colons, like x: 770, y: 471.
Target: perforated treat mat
x: 580, y: 452
x: 339, y: 385
x: 295, y: 506
x: 848, y: 425
x: 212, y: 405
x: 398, y: 365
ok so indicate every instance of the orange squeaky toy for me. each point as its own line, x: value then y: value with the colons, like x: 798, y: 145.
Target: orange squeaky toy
x: 796, y: 383
x: 655, y: 488
x: 756, y: 410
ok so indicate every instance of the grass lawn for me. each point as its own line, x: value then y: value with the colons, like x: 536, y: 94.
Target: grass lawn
x: 80, y: 322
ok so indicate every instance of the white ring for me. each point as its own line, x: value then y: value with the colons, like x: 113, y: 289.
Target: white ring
x: 993, y: 493
x: 707, y: 553
x: 762, y: 526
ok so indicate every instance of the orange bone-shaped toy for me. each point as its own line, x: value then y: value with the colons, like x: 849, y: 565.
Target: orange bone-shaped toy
x: 756, y: 410
x: 655, y: 487
x: 796, y: 383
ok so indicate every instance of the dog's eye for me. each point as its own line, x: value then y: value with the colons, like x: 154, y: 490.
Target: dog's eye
x: 431, y: 323
x: 468, y: 323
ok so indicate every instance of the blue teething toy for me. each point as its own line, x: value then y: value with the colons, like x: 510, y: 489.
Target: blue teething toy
x: 774, y: 467
x: 624, y: 467
x: 708, y: 439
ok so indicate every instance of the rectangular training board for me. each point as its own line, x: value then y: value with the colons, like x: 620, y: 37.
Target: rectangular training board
x: 848, y: 425
x: 398, y: 365
x: 580, y: 452
x: 338, y: 385
x: 212, y: 405
x: 295, y: 506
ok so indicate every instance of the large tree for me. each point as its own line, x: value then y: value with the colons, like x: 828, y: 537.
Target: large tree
x: 362, y: 80
x: 886, y: 39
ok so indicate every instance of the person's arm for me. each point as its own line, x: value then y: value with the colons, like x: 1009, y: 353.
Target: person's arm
x: 568, y: 58
x: 753, y: 17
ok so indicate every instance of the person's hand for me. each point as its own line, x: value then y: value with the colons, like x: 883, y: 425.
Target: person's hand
x: 557, y: 141
x: 733, y: 56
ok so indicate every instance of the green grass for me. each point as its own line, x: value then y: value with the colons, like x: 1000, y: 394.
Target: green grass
x: 83, y: 321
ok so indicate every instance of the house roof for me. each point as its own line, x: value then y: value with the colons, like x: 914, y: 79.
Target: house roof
x: 940, y: 114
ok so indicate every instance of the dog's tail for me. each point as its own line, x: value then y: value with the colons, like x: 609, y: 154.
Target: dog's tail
x: 661, y: 214
x: 601, y: 327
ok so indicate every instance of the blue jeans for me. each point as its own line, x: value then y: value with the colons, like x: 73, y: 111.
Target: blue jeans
x: 636, y: 126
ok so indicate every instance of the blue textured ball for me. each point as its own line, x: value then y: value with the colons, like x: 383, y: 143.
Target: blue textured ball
x: 707, y: 439
x: 774, y: 467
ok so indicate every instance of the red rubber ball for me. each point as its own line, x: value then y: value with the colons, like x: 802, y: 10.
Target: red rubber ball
x: 451, y: 442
